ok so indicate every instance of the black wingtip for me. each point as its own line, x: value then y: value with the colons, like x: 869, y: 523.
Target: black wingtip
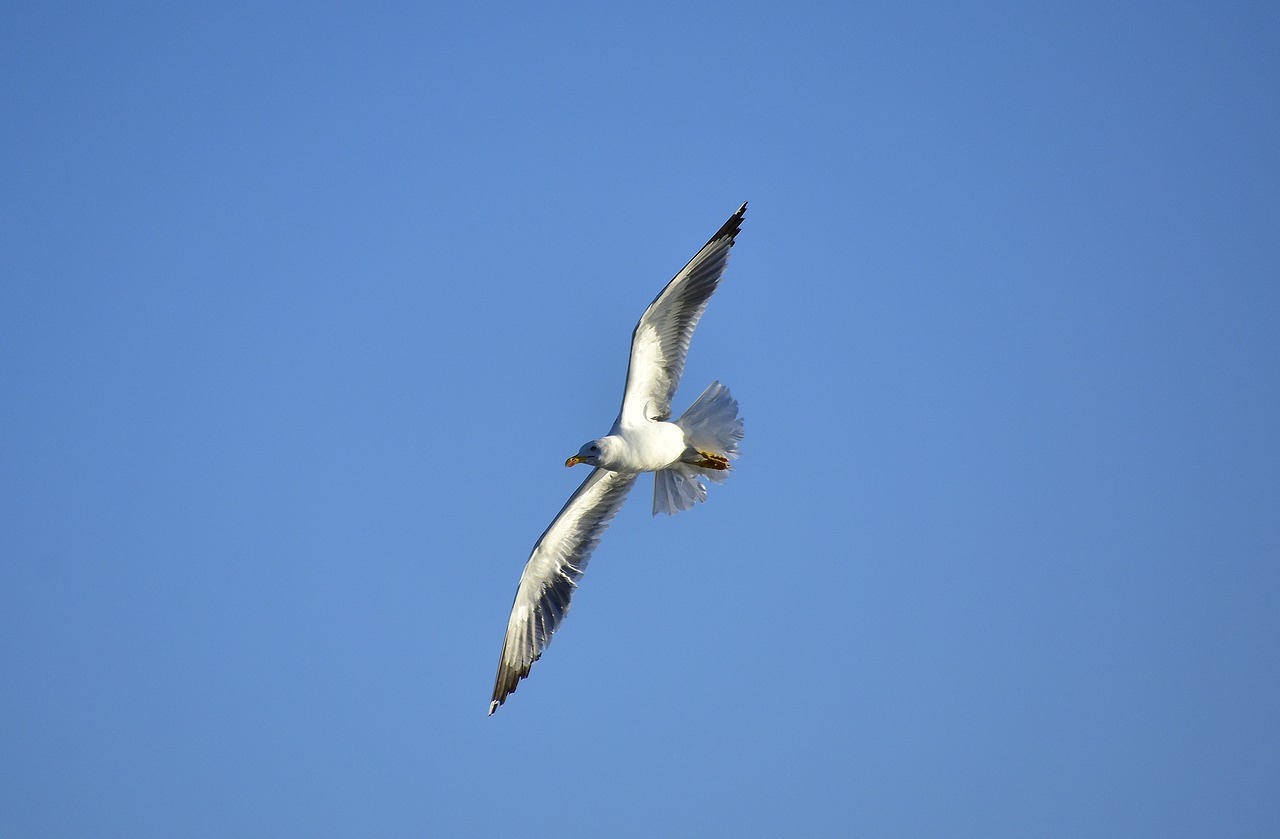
x: 731, y: 227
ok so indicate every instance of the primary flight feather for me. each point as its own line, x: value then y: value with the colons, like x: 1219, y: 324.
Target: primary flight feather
x: 699, y: 444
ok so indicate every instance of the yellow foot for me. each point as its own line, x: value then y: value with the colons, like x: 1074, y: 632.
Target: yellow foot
x: 712, y: 461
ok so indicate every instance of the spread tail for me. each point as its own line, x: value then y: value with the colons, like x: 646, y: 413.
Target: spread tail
x: 713, y: 430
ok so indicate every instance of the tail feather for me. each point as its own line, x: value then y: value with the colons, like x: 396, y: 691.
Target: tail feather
x: 712, y: 425
x: 712, y: 422
x: 677, y: 489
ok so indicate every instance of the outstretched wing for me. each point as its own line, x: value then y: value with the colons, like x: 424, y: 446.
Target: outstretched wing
x: 661, y: 338
x: 552, y: 573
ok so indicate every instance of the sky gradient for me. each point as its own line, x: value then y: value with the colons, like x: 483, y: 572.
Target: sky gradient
x: 304, y: 306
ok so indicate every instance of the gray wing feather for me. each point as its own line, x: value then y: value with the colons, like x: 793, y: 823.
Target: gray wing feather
x: 660, y: 341
x: 550, y: 576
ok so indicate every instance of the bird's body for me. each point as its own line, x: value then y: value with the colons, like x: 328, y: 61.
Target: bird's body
x: 645, y: 447
x: 698, y: 444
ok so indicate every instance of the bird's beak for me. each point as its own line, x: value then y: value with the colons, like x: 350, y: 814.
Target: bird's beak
x: 574, y: 461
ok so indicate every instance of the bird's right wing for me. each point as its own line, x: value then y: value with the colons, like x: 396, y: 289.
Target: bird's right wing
x: 552, y: 573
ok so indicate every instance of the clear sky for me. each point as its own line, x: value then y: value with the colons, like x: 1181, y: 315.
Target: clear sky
x: 304, y: 306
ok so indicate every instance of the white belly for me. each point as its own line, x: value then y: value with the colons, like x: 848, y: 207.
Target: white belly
x: 647, y: 448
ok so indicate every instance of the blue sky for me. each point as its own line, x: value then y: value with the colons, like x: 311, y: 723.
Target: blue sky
x: 304, y: 306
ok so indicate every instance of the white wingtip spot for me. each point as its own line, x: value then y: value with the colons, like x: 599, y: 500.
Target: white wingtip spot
x: 493, y: 706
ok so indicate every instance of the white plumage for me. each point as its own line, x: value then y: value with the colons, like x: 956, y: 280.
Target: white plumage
x: 699, y: 444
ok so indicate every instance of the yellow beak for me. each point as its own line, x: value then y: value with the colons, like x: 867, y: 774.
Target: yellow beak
x: 574, y: 461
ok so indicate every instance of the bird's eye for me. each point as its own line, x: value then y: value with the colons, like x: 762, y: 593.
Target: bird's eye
x: 595, y: 448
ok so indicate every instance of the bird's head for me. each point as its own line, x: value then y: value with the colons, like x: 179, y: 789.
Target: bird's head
x: 589, y: 453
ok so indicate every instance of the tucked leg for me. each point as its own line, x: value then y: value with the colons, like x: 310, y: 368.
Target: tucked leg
x: 708, y: 460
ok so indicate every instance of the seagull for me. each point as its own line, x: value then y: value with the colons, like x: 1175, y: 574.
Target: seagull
x: 699, y: 444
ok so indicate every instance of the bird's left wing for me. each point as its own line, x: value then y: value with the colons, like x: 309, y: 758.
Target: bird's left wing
x: 661, y: 338
x: 552, y: 573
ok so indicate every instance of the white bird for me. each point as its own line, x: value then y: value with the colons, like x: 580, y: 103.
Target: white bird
x: 699, y: 444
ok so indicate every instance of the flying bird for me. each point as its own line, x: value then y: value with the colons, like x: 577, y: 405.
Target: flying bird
x: 699, y: 444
